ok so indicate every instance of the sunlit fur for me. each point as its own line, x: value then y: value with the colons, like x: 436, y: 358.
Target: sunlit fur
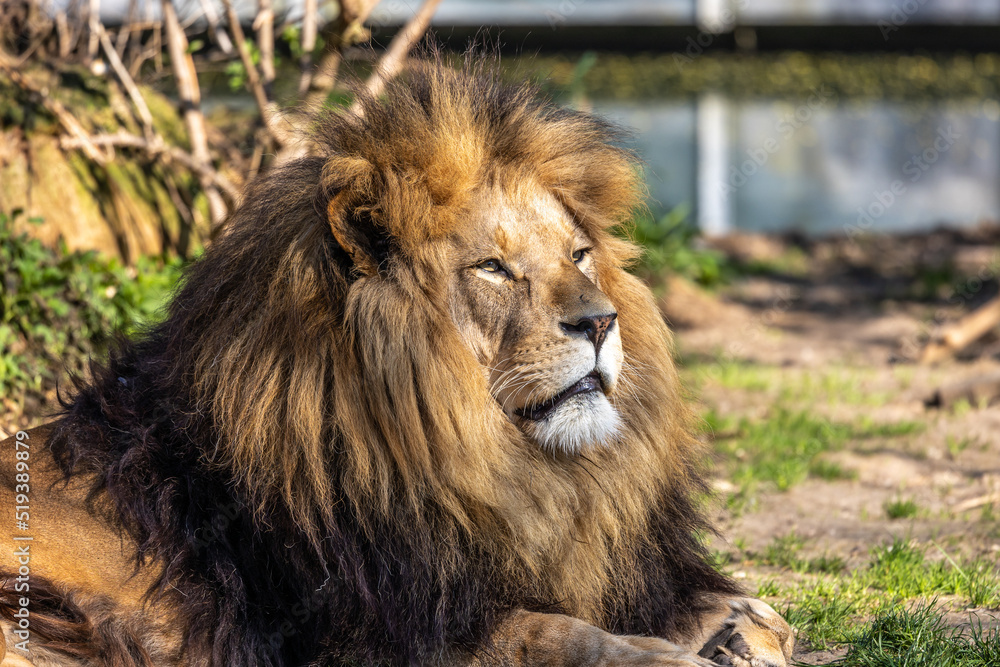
x: 309, y: 372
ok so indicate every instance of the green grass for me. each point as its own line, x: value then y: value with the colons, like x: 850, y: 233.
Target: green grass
x: 739, y: 375
x: 785, y: 447
x: 900, y: 509
x: 919, y: 637
x: 788, y: 386
x: 831, y: 610
x: 785, y: 552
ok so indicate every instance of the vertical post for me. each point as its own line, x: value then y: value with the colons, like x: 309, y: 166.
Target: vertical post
x: 710, y: 15
x: 714, y: 204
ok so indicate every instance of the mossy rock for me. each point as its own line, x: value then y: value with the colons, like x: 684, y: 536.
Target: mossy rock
x: 126, y: 207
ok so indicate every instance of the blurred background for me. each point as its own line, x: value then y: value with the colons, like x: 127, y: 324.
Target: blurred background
x: 821, y: 232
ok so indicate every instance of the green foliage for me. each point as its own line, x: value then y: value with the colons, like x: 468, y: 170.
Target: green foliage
x: 671, y: 244
x: 292, y: 36
x: 236, y: 73
x: 791, y: 75
x: 59, y: 308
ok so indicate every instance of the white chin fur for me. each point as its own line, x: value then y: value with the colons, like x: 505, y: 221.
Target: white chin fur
x: 586, y: 420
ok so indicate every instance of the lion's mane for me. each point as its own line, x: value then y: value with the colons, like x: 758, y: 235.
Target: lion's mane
x: 307, y: 449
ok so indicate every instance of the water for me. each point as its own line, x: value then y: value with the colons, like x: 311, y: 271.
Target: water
x: 822, y: 166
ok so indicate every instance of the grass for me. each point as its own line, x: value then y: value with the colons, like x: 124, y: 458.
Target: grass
x: 784, y: 551
x: 785, y: 447
x: 789, y: 386
x: 919, y: 637
x: 669, y: 244
x: 789, y: 443
x: 900, y: 509
x: 830, y: 610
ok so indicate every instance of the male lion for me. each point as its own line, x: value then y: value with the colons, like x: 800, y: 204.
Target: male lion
x: 410, y: 409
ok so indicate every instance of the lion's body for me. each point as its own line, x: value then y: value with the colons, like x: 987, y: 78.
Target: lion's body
x: 357, y: 436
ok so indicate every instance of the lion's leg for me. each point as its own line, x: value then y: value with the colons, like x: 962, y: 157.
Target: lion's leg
x: 743, y: 632
x: 529, y: 639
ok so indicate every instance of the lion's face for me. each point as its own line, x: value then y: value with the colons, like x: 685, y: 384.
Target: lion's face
x: 526, y: 299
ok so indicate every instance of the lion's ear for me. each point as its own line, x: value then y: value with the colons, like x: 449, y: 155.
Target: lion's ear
x: 351, y: 220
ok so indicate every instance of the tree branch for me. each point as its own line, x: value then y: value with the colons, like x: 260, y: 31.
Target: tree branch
x: 347, y: 31
x: 190, y: 96
x: 220, y: 36
x: 395, y: 56
x: 157, y: 148
x: 264, y: 105
x: 126, y: 80
x: 253, y: 78
x: 264, y: 25
x: 308, y: 45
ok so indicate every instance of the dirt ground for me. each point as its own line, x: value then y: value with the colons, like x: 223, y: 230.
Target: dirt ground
x: 861, y: 310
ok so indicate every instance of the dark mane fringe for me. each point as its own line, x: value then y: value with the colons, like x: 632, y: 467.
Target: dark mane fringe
x: 241, y: 445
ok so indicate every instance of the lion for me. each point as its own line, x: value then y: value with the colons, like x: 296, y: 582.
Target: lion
x: 409, y: 409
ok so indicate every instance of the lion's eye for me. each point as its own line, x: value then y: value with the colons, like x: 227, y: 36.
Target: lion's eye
x: 491, y: 266
x: 578, y: 255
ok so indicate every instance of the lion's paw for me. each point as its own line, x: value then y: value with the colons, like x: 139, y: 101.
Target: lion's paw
x: 754, y: 635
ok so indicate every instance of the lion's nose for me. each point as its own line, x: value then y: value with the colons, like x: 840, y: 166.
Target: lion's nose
x: 595, y: 327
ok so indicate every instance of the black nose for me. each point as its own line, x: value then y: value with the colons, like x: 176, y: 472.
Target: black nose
x: 595, y: 327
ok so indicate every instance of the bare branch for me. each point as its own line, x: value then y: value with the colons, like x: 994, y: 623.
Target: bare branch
x: 63, y: 33
x: 308, y: 45
x: 963, y: 333
x: 390, y: 64
x: 157, y: 148
x: 190, y: 96
x: 94, y: 26
x: 126, y: 80
x: 347, y: 30
x: 158, y: 47
x: 264, y: 25
x: 253, y: 78
x: 220, y: 36
x: 125, y: 30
